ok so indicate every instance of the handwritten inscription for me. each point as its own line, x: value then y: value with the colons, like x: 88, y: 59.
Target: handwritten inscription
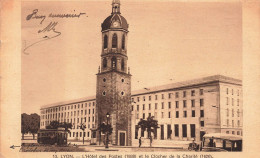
x: 50, y: 28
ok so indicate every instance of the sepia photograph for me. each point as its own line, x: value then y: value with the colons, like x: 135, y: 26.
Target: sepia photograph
x: 131, y: 76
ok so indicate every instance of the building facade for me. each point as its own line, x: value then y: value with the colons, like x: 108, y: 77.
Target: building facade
x: 185, y: 110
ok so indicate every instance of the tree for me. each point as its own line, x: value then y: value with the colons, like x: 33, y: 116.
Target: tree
x: 150, y: 125
x: 83, y: 127
x: 56, y: 125
x: 30, y: 124
x: 25, y: 124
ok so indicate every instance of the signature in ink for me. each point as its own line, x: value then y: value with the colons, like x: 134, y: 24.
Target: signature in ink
x: 48, y: 28
x: 35, y: 16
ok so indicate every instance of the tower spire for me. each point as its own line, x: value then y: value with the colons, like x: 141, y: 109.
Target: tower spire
x: 116, y: 7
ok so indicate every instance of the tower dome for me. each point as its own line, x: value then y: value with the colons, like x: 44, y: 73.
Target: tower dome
x: 115, y: 20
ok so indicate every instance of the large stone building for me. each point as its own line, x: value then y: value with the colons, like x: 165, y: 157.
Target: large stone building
x: 185, y: 110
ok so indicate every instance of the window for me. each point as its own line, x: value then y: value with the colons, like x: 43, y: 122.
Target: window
x: 232, y: 91
x: 143, y: 115
x: 113, y: 62
x: 201, y: 92
x: 227, y: 122
x: 149, y: 106
x: 169, y: 95
x: 162, y: 105
x: 162, y: 114
x: 184, y: 130
x: 232, y: 102
x: 227, y: 100
x: 138, y: 99
x: 193, y: 113
x: 227, y: 132
x: 238, y: 123
x: 136, y: 131
x: 177, y: 104
x: 192, y: 92
x: 177, y: 95
x: 232, y: 123
x: 114, y: 41
x: 192, y: 131
x: 155, y: 115
x: 162, y: 96
x: 238, y: 133
x: 123, y: 65
x: 237, y: 102
x: 156, y: 97
x: 155, y: 133
x: 176, y: 130
x: 137, y: 116
x: 184, y: 104
x: 137, y: 107
x: 201, y: 113
x: 184, y: 113
x: 193, y: 103
x: 149, y: 114
x: 233, y: 132
x: 132, y: 108
x: 227, y: 112
x: 155, y: 105
x: 123, y: 42
x: 202, y: 123
x: 201, y: 102
x: 143, y: 106
x: 237, y: 112
x: 162, y: 132
x: 177, y: 114
x: 184, y: 94
x: 237, y: 92
x: 169, y: 114
x: 232, y: 112
x: 143, y: 98
x: 105, y: 41
x: 169, y: 105
x: 150, y: 98
x: 227, y: 91
x: 169, y: 131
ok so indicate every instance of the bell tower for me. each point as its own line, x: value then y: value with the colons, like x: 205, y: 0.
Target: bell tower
x: 113, y: 93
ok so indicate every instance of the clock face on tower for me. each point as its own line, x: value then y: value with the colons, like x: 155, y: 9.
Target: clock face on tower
x: 116, y: 24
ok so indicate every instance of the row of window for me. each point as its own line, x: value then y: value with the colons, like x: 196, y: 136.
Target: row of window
x: 233, y: 113
x: 233, y: 123
x: 170, y: 115
x: 201, y: 103
x: 232, y: 101
x: 56, y: 109
x: 114, y: 63
x: 79, y: 120
x: 170, y: 132
x: 114, y: 41
x: 232, y: 91
x: 233, y: 132
x: 201, y: 92
x: 60, y: 115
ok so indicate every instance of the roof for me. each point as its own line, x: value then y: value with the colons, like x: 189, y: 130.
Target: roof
x: 223, y: 136
x: 194, y: 82
x: 69, y: 102
x: 114, y: 17
x: 205, y: 80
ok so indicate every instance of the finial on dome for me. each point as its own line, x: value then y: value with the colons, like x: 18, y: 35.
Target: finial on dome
x: 116, y: 7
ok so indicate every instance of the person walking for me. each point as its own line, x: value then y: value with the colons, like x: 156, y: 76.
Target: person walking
x: 140, y: 142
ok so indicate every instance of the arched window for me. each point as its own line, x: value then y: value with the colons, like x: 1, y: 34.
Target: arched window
x: 114, y: 41
x: 105, y: 42
x: 123, y: 42
x: 113, y: 63
x: 122, y: 64
x: 104, y: 62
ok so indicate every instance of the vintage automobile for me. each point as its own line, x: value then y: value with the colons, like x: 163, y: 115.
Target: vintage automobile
x: 221, y: 142
x: 52, y: 136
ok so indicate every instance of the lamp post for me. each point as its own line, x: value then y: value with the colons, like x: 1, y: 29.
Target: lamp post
x: 107, y: 115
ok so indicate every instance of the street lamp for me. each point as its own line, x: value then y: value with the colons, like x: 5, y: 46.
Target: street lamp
x: 108, y: 115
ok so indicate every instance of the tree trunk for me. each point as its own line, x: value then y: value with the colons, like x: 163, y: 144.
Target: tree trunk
x: 33, y: 135
x: 22, y: 136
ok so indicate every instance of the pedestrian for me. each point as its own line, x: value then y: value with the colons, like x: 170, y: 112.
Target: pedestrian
x: 140, y: 142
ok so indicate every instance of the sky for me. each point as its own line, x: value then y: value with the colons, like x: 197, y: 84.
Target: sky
x: 167, y: 42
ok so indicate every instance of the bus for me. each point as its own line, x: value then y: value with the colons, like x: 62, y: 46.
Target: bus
x: 222, y: 142
x: 52, y: 136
